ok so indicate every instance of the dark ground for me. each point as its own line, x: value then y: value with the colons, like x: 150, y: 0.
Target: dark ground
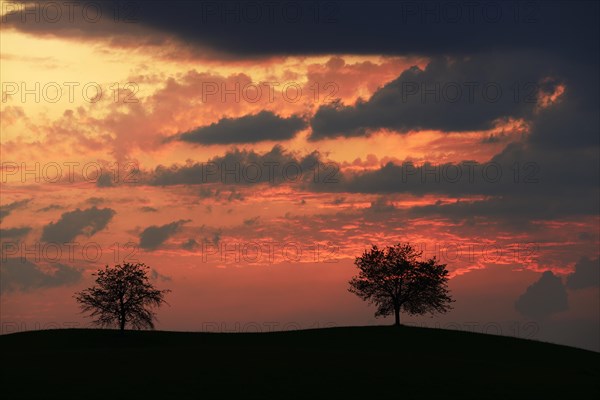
x: 360, y: 362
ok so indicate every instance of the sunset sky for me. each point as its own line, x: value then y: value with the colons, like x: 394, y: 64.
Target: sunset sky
x: 248, y: 152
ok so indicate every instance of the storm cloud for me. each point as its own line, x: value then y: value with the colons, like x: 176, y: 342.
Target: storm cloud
x: 153, y: 236
x: 78, y: 222
x: 18, y: 274
x: 14, y: 233
x: 543, y: 298
x: 242, y: 167
x: 6, y: 209
x: 586, y: 274
x: 464, y: 94
x: 262, y: 29
x: 247, y: 129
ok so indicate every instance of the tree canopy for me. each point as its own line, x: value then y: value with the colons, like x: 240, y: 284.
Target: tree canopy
x: 123, y: 295
x: 395, y: 279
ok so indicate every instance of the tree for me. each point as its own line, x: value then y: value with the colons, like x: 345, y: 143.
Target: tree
x: 394, y: 279
x: 122, y: 295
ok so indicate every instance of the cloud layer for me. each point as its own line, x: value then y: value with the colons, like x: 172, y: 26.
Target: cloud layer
x: 153, y: 236
x: 545, y: 297
x: 18, y: 274
x: 247, y: 129
x: 71, y: 224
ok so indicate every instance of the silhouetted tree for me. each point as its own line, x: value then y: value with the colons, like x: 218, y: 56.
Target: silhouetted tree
x: 122, y: 295
x: 394, y: 279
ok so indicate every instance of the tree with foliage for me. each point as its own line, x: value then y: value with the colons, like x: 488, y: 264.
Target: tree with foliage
x: 394, y: 279
x: 123, y: 295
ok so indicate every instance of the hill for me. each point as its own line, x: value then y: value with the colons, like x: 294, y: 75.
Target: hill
x: 354, y: 362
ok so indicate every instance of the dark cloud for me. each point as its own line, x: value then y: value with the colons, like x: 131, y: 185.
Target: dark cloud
x: 381, y: 205
x: 211, y: 236
x: 493, y: 139
x: 95, y: 201
x: 14, y: 233
x: 50, y: 208
x: 247, y: 129
x: 458, y: 95
x: 242, y: 167
x: 234, y: 195
x: 516, y: 210
x: 216, y: 239
x: 153, y: 236
x: 18, y: 274
x: 148, y: 209
x: 572, y: 121
x: 518, y: 169
x: 586, y: 274
x: 252, y: 221
x: 190, y: 245
x: 157, y: 276
x: 520, y: 183
x: 557, y: 161
x: 551, y: 172
x: 338, y: 200
x: 79, y: 222
x: 205, y: 193
x: 250, y: 29
x: 6, y: 209
x: 586, y: 236
x: 545, y: 297
x: 464, y: 94
x: 223, y: 195
x: 105, y: 180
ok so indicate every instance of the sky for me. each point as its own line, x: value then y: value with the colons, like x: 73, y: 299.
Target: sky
x: 248, y: 152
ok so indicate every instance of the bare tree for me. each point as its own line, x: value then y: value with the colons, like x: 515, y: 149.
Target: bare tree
x: 123, y: 295
x: 394, y: 279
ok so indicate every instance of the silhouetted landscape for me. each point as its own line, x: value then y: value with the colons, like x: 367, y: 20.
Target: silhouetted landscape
x: 353, y: 362
x: 299, y: 199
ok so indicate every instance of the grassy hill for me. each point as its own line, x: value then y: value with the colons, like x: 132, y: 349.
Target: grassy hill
x: 357, y: 362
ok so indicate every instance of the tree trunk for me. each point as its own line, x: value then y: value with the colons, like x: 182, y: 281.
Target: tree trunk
x: 397, y: 315
x: 121, y: 314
